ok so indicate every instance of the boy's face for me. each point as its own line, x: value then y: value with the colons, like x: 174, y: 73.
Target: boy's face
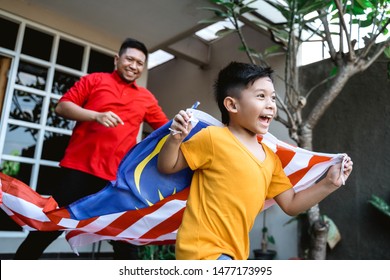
x: 256, y: 106
x: 130, y: 64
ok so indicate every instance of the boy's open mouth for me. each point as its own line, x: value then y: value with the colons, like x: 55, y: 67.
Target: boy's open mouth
x: 266, y: 118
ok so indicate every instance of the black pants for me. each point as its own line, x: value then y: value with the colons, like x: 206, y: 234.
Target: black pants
x: 72, y: 186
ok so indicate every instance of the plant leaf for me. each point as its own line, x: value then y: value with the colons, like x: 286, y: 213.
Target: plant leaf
x: 387, y: 52
x: 224, y: 32
x: 334, y: 71
x: 271, y: 239
x: 380, y: 204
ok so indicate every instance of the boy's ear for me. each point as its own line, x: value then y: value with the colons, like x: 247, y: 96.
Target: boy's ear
x: 230, y: 104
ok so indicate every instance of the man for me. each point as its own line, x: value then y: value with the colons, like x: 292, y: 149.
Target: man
x: 109, y: 109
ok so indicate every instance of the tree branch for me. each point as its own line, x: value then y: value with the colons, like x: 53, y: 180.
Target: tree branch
x: 282, y: 121
x: 372, y: 41
x: 327, y: 79
x: 328, y: 38
x: 367, y: 63
x: 345, y: 28
x: 242, y: 39
x: 331, y: 93
x: 290, y: 118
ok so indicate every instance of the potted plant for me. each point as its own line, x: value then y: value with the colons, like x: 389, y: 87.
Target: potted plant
x: 264, y: 253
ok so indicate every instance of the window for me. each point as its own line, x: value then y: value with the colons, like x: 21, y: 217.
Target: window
x: 9, y: 31
x: 208, y: 33
x: 20, y: 141
x: 62, y: 82
x: 159, y: 57
x: 32, y: 137
x: 31, y: 75
x: 70, y: 54
x: 30, y: 46
x: 26, y: 106
x: 100, y: 62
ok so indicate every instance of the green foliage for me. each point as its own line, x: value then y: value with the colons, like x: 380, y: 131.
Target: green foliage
x: 301, y: 21
x: 334, y: 71
x: 296, y: 218
x: 266, y: 236
x: 157, y: 252
x: 312, y: 21
x: 11, y: 168
x: 271, y: 239
x: 380, y: 204
x: 387, y: 54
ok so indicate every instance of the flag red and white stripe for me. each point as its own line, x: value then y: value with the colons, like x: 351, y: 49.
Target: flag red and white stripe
x: 155, y: 224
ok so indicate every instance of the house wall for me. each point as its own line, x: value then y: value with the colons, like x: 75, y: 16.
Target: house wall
x: 177, y: 84
x: 358, y: 123
x: 66, y: 25
x: 36, y: 13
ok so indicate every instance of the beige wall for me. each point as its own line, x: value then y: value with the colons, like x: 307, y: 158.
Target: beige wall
x: 179, y: 83
x: 34, y: 12
x: 65, y: 25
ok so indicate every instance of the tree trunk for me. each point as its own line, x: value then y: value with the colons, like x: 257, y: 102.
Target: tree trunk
x: 317, y: 227
x: 319, y: 234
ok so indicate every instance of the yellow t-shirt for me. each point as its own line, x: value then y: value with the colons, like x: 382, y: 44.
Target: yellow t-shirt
x: 227, y: 192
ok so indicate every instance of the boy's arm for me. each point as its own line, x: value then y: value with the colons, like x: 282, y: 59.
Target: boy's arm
x: 294, y: 203
x: 170, y: 158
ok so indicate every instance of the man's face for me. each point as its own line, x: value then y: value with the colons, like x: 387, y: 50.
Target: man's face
x: 130, y: 64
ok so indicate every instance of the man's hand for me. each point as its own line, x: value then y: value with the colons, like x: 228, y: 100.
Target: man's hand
x: 109, y: 119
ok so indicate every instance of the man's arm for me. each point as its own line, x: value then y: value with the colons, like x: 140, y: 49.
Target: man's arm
x: 294, y: 203
x: 72, y: 111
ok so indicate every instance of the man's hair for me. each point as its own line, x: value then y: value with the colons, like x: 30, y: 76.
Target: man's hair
x: 133, y: 44
x: 233, y: 79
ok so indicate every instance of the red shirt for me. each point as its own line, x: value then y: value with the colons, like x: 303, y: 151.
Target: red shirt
x: 96, y: 149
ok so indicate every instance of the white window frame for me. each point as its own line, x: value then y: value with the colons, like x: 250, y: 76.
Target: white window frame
x: 51, y: 65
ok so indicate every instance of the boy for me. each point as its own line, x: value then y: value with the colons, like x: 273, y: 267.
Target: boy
x: 234, y: 173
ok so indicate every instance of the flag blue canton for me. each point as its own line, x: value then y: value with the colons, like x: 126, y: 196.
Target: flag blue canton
x: 138, y: 183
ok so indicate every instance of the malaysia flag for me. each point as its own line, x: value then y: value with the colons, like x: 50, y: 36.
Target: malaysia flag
x: 141, y: 206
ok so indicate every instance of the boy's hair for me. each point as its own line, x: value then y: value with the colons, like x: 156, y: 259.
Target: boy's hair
x: 133, y: 44
x: 233, y: 79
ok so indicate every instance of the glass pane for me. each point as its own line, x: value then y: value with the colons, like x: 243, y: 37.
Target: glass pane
x: 20, y: 141
x: 26, y: 106
x: 9, y: 32
x: 37, y: 44
x: 31, y: 75
x: 70, y: 54
x: 63, y: 82
x: 18, y: 170
x: 100, y: 62
x: 47, y: 178
x: 54, y: 120
x: 54, y: 146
